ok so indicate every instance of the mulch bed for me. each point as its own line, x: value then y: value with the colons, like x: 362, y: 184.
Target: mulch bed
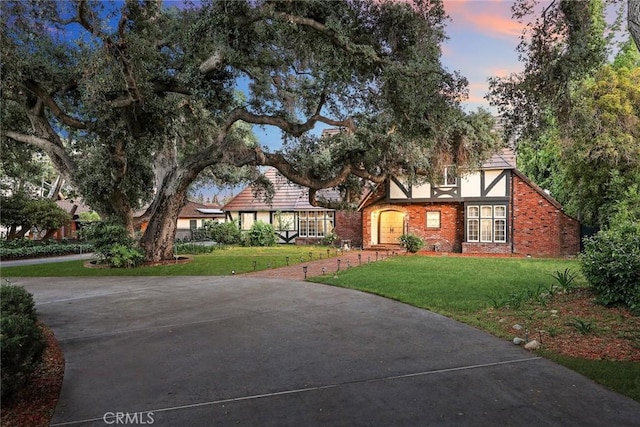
x: 574, y: 324
x: 34, y: 405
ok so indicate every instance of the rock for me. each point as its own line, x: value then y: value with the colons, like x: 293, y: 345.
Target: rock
x: 518, y: 341
x: 517, y: 327
x: 532, y: 345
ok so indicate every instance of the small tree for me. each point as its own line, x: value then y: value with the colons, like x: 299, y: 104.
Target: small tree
x: 42, y: 214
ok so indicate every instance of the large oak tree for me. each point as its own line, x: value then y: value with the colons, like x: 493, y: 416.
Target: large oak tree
x: 132, y: 101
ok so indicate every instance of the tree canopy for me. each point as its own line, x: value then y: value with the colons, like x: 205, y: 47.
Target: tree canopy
x: 577, y: 118
x: 132, y: 100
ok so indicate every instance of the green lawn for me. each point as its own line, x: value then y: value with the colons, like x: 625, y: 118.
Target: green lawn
x: 218, y: 263
x: 450, y: 285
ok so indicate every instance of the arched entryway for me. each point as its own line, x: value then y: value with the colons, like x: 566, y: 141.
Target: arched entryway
x: 390, y: 227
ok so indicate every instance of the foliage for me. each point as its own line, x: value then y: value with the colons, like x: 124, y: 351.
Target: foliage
x: 578, y: 126
x: 21, y: 341
x: 132, y: 114
x: 329, y: 239
x: 42, y: 214
x: 21, y: 248
x: 193, y: 248
x: 260, y: 234
x: 561, y: 46
x: 565, y: 279
x: 411, y: 242
x: 89, y: 216
x: 124, y: 256
x: 611, y: 264
x: 584, y: 326
x: 602, y: 157
x: 225, y: 233
x: 112, y: 244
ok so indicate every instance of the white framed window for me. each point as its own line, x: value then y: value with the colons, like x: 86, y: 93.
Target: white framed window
x: 487, y: 223
x: 449, y: 178
x: 433, y: 219
x: 315, y: 223
x: 500, y: 223
x: 284, y: 221
x: 246, y: 220
x: 473, y: 223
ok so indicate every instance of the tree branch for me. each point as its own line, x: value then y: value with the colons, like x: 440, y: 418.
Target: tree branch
x: 57, y: 153
x: 53, y: 106
x: 295, y: 129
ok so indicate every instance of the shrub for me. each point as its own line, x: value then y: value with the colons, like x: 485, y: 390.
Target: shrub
x: 21, y: 340
x: 113, y: 245
x: 611, y: 264
x: 329, y: 239
x: 123, y: 256
x: 411, y: 242
x: 260, y: 234
x: 226, y: 233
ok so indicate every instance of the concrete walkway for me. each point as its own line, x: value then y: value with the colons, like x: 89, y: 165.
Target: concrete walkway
x: 253, y: 351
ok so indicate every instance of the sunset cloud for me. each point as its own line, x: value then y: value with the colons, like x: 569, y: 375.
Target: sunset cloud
x: 488, y: 17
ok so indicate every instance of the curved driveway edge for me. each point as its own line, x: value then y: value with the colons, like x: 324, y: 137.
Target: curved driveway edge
x: 203, y: 351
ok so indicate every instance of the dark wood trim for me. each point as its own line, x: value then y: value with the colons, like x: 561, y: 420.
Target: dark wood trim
x: 485, y: 191
x: 406, y: 191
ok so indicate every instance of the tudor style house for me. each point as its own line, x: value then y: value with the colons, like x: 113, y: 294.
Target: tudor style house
x: 293, y: 218
x: 496, y: 209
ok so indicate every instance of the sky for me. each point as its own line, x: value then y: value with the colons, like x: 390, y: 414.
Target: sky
x: 482, y: 43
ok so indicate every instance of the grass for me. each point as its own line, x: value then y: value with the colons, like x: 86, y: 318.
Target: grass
x: 623, y: 377
x: 218, y: 263
x: 450, y: 285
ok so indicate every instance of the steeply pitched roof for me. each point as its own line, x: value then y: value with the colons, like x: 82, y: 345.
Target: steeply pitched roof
x: 287, y: 197
x: 504, y: 159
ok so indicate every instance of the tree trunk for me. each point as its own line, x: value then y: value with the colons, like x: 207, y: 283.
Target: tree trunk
x: 158, y: 239
x: 633, y: 20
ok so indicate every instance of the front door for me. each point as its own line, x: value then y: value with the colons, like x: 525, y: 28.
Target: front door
x: 391, y: 227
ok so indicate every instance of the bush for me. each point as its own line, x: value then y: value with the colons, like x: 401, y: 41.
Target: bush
x: 21, y: 340
x: 411, y: 242
x: 260, y: 234
x: 329, y: 239
x: 113, y: 245
x: 24, y: 248
x: 611, y: 264
x: 225, y: 233
x: 123, y: 256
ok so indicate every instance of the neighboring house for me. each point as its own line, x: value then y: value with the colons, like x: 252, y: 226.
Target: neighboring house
x: 494, y: 210
x: 291, y: 215
x: 193, y: 215
x: 70, y: 229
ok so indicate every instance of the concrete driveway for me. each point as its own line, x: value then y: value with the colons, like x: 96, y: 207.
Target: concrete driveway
x: 209, y: 351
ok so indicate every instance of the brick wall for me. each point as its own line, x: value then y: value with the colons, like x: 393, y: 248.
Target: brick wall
x: 540, y: 226
x: 349, y: 227
x: 448, y: 237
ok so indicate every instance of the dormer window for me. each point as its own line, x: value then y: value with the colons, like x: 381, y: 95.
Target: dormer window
x: 450, y: 178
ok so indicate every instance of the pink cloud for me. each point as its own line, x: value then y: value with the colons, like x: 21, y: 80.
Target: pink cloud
x: 489, y: 17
